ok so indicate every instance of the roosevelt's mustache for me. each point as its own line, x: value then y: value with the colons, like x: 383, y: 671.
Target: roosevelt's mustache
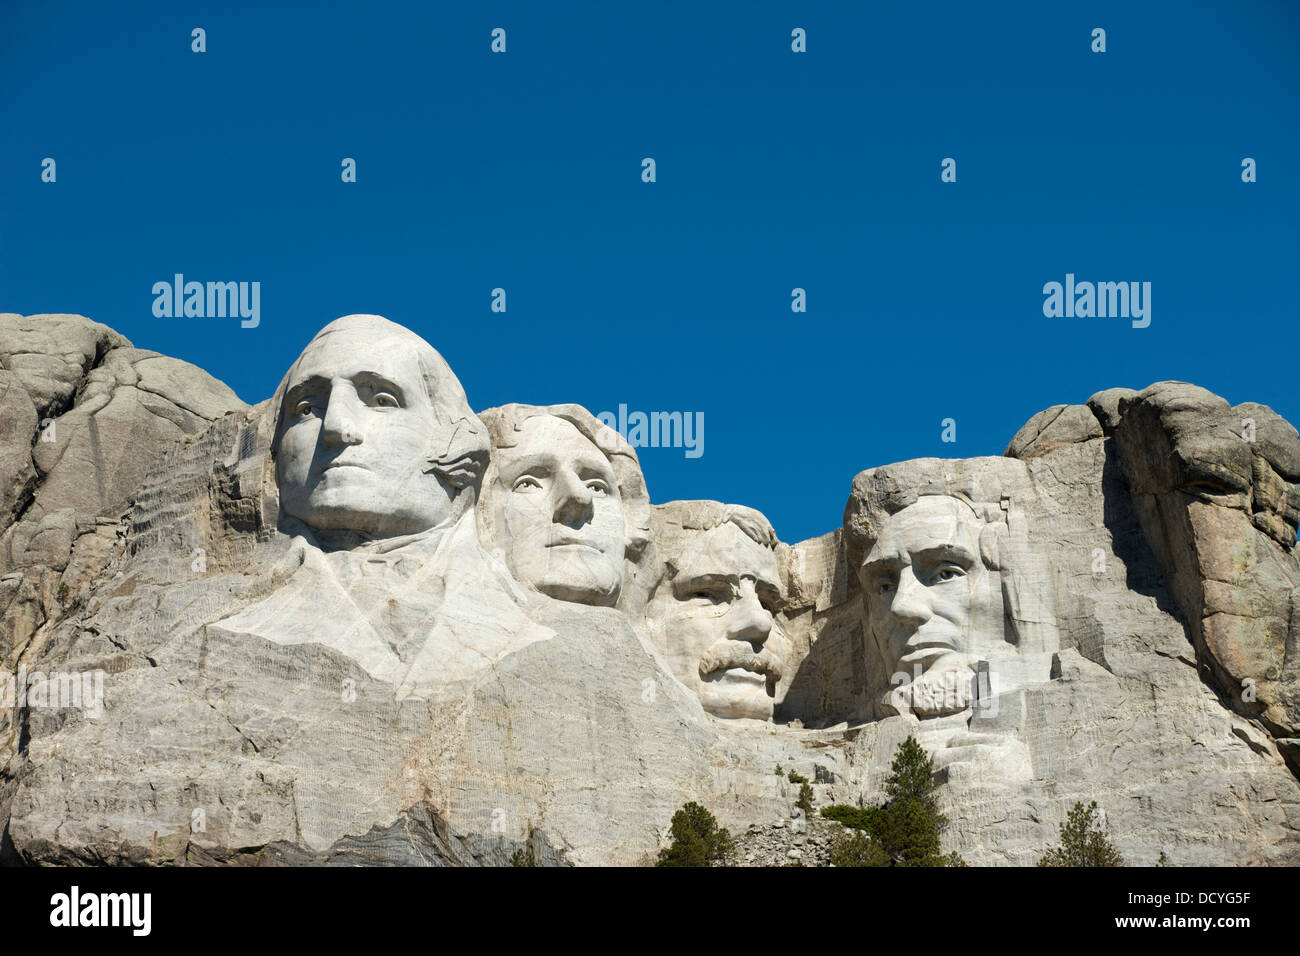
x: 725, y: 655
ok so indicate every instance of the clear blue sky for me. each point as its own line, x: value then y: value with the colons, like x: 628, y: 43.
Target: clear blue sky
x: 775, y: 170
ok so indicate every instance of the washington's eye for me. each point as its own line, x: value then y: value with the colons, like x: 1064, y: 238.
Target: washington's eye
x: 302, y: 409
x: 526, y: 483
x: 884, y: 586
x: 709, y: 595
x: 385, y: 400
x: 949, y: 572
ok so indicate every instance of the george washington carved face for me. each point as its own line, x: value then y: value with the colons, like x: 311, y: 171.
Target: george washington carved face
x: 375, y: 435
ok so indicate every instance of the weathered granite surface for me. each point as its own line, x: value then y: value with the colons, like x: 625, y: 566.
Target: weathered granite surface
x: 357, y: 623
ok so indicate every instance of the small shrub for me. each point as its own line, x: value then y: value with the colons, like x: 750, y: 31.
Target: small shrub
x: 855, y: 818
x: 804, y: 802
x: 795, y: 777
x: 523, y: 857
x: 855, y: 848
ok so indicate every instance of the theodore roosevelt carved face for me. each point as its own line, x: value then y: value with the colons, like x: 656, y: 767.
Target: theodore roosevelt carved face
x: 712, y: 617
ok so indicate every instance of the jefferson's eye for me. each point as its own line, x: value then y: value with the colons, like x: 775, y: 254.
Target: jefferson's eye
x: 949, y: 572
x: 385, y: 400
x: 527, y: 483
x: 598, y: 487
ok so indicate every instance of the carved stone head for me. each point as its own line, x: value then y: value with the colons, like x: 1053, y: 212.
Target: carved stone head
x: 947, y: 573
x: 712, y: 616
x: 930, y: 590
x: 564, y: 503
x: 374, y: 435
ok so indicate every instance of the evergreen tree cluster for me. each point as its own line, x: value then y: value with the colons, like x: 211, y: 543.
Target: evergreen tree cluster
x: 905, y: 830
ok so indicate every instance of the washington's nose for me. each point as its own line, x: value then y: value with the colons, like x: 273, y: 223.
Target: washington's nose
x: 910, y: 606
x: 572, y: 499
x: 340, y: 426
x: 748, y: 620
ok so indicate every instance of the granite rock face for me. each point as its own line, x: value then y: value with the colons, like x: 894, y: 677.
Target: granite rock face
x: 85, y: 417
x: 1215, y: 489
x: 359, y: 623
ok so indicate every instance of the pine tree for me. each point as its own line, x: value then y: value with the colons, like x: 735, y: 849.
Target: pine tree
x: 908, y: 833
x: 905, y: 830
x: 911, y: 776
x: 1083, y: 841
x: 697, y: 840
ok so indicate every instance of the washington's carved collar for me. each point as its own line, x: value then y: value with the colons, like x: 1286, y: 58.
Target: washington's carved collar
x: 359, y: 543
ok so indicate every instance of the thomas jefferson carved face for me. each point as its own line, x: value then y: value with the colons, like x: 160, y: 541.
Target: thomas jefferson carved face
x: 713, y: 622
x: 357, y: 431
x: 929, y: 595
x: 560, y: 513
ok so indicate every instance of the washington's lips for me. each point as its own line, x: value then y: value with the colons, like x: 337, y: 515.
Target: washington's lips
x: 738, y: 655
x: 336, y: 464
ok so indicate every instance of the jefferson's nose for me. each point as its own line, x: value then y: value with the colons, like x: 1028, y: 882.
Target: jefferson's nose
x: 748, y: 620
x: 340, y: 426
x: 572, y: 499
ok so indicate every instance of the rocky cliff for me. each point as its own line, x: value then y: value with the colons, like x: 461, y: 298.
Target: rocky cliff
x: 275, y: 664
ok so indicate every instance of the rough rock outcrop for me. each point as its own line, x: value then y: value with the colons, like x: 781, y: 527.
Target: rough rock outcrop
x: 85, y: 417
x: 1215, y: 488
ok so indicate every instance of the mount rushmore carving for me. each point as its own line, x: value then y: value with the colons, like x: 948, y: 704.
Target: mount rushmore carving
x: 360, y: 622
